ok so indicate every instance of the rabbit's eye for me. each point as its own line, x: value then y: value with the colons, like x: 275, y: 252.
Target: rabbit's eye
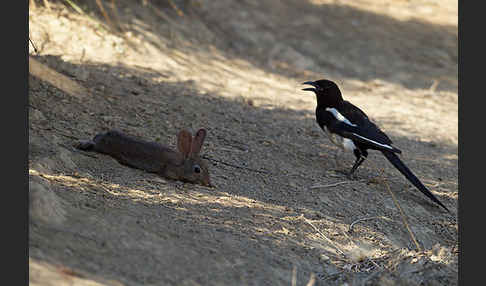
x: 197, y: 169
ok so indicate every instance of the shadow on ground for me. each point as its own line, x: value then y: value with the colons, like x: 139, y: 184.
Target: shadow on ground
x: 295, y: 37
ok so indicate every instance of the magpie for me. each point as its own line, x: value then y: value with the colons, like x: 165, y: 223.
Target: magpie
x: 349, y: 127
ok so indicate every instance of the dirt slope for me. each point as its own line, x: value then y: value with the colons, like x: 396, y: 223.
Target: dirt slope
x: 280, y: 213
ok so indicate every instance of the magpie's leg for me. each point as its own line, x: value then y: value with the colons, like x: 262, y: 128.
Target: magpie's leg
x: 357, y: 163
x: 360, y: 158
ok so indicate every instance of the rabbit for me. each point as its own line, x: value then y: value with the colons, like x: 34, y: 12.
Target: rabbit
x: 183, y: 165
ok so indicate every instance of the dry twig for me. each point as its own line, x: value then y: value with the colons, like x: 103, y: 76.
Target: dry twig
x: 363, y: 219
x: 115, y: 13
x: 330, y: 185
x: 48, y: 6
x: 323, y: 235
x: 103, y: 11
x: 75, y: 7
x: 404, y: 218
x: 235, y: 166
x: 312, y: 280
x: 395, y: 201
x: 294, y: 276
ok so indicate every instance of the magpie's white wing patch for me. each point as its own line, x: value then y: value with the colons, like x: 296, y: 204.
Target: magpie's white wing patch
x: 339, y: 116
x: 374, y: 142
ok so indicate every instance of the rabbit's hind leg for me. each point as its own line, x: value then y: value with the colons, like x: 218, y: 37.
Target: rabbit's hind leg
x: 85, y: 145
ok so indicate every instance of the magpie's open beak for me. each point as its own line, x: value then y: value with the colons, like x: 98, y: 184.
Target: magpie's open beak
x: 309, y: 88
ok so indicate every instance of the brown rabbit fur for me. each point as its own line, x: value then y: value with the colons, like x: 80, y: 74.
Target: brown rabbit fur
x: 183, y: 164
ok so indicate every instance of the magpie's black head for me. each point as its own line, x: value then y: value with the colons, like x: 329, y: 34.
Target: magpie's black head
x: 325, y: 90
x: 321, y: 86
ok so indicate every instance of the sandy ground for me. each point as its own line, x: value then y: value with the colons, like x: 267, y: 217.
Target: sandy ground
x: 281, y: 212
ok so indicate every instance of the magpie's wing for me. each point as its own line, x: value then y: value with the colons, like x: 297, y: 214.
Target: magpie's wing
x: 351, y: 122
x: 353, y: 113
x: 357, y: 135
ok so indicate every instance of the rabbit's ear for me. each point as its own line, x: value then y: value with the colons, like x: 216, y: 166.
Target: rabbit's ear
x: 184, y: 142
x: 198, y: 141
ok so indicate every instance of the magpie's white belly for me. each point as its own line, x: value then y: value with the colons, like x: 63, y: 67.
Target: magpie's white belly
x: 341, y: 142
x: 348, y: 144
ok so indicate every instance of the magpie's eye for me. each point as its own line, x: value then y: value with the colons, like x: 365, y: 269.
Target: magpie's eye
x: 197, y: 169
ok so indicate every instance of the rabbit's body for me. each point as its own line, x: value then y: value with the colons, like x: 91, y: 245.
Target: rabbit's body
x: 184, y: 165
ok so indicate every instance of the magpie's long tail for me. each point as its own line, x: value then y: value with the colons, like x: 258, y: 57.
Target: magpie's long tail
x: 395, y: 160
